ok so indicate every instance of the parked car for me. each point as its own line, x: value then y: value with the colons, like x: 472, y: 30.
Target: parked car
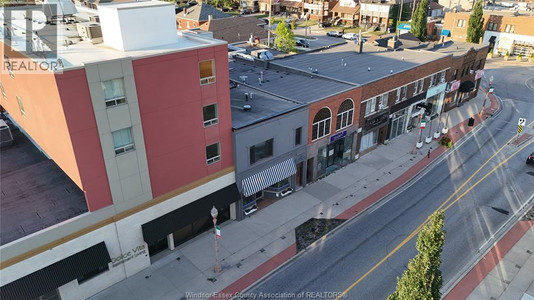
x: 302, y: 43
x: 350, y: 36
x: 324, y: 24
x: 530, y: 159
x: 334, y: 33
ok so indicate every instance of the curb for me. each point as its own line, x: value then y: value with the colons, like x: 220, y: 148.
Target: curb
x: 364, y: 205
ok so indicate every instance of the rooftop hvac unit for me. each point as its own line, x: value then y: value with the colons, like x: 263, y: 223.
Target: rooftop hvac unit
x: 94, y: 19
x: 6, y: 138
x: 90, y: 31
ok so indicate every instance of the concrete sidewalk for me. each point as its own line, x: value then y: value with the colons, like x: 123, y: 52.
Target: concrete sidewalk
x: 257, y: 245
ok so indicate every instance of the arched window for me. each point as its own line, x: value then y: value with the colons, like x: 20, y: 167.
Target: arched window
x: 345, y: 114
x: 321, y: 123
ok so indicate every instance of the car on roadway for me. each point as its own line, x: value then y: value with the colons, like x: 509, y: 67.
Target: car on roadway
x: 335, y: 33
x: 530, y: 159
x: 302, y: 43
x: 350, y: 36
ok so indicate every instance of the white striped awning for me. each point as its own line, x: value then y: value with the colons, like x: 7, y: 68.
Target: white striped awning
x: 268, y: 177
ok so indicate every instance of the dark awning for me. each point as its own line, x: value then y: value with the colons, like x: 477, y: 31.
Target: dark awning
x: 268, y: 177
x: 57, y: 274
x: 466, y: 86
x: 159, y: 228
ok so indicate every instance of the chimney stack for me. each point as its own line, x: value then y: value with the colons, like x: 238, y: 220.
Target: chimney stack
x: 210, y: 17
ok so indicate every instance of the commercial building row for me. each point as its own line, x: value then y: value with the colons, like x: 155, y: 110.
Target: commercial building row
x: 147, y: 139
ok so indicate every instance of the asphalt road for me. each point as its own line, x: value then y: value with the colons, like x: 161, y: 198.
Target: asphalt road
x: 354, y: 252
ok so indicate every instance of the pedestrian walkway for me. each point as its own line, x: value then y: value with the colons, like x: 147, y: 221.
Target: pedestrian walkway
x: 255, y: 246
x: 506, y: 272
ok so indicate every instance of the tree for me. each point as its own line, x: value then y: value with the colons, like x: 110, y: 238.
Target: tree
x: 422, y: 279
x: 418, y: 26
x: 285, y: 40
x: 474, y: 27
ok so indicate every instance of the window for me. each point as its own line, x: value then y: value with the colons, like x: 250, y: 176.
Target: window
x: 479, y: 64
x: 113, y: 92
x: 261, y: 151
x: 210, y: 115
x: 207, y: 72
x: 21, y: 106
x: 8, y: 66
x: 213, y: 153
x: 432, y: 80
x: 397, y: 99
x: 404, y: 90
x: 370, y: 106
x: 492, y: 26
x: 421, y: 83
x: 3, y: 90
x: 298, y: 136
x: 383, y: 101
x: 415, y: 87
x: 122, y: 140
x: 92, y: 273
x: 321, y: 124
x: 442, y: 76
x: 461, y: 23
x: 344, y: 114
x: 509, y: 28
x: 455, y: 74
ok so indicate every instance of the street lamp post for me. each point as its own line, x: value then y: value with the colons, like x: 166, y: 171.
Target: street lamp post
x: 214, y: 213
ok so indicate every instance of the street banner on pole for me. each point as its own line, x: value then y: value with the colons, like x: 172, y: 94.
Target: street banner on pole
x: 218, y: 232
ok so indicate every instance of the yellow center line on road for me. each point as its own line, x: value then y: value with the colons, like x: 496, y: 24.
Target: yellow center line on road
x: 416, y: 231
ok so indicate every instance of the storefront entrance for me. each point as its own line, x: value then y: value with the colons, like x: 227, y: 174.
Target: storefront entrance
x: 398, y: 123
x: 335, y: 152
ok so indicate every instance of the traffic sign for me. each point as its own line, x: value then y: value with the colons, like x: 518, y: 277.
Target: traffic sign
x: 519, y: 128
x: 491, y: 89
x: 423, y: 124
x: 521, y: 122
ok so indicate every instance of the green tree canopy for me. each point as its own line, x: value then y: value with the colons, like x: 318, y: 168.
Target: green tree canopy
x: 422, y: 279
x: 418, y: 26
x: 474, y: 27
x: 285, y: 40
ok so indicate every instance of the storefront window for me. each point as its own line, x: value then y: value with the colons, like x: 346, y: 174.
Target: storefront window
x: 368, y: 140
x: 279, y: 186
x: 321, y: 161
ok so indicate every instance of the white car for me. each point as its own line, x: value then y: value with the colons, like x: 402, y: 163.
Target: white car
x: 350, y: 36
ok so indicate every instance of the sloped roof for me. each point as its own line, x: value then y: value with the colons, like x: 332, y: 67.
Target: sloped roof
x: 347, y: 10
x: 200, y: 12
x: 236, y: 29
x: 434, y: 5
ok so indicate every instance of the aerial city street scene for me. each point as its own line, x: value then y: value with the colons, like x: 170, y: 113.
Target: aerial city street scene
x: 267, y: 149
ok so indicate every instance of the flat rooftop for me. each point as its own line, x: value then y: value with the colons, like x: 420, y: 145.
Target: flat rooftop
x: 455, y: 48
x: 35, y: 192
x: 80, y: 52
x: 263, y: 106
x: 296, y: 85
x: 344, y: 64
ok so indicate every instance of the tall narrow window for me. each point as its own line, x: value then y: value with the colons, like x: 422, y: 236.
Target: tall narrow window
x: 298, y: 136
x: 207, y: 72
x: 113, y: 92
x: 21, y: 106
x: 421, y: 83
x: 415, y: 87
x: 442, y: 75
x: 210, y: 115
x: 345, y: 114
x: 123, y: 141
x: 370, y: 106
x: 404, y: 91
x: 261, y: 151
x: 321, y: 124
x: 397, y: 99
x: 383, y: 103
x: 431, y: 81
x: 213, y: 153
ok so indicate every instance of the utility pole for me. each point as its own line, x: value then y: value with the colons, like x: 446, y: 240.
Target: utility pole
x: 400, y: 18
x: 269, y: 29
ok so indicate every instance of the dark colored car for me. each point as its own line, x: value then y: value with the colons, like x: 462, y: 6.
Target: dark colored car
x: 302, y: 43
x: 530, y: 159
